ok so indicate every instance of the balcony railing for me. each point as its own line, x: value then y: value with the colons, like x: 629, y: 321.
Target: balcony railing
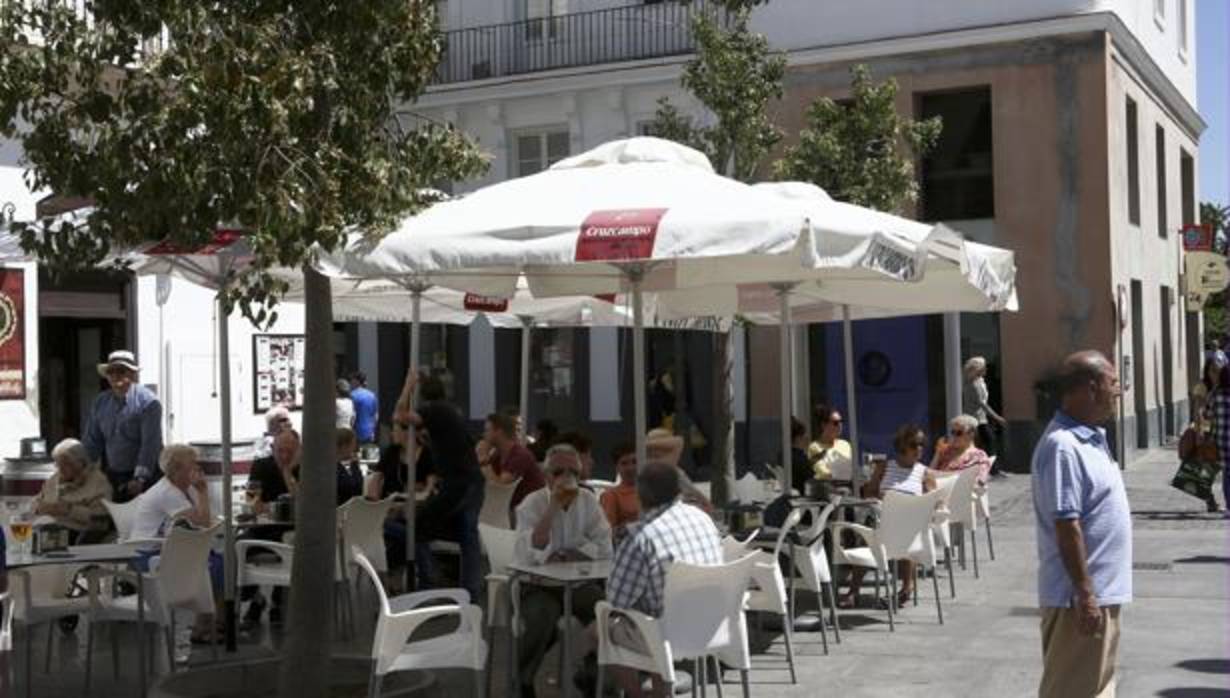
x: 630, y: 33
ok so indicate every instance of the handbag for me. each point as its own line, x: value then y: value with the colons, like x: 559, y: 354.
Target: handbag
x: 1196, y: 478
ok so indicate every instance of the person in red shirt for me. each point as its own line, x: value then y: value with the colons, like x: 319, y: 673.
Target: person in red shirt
x: 509, y: 459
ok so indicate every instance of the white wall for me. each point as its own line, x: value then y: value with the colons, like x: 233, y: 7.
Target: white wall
x: 189, y: 329
x: 20, y: 418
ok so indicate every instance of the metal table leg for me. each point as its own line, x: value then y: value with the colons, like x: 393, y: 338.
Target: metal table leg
x: 565, y: 681
x: 141, y: 633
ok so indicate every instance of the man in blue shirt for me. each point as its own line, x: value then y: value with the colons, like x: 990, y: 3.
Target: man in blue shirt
x: 366, y: 409
x: 124, y: 430
x: 1084, y: 532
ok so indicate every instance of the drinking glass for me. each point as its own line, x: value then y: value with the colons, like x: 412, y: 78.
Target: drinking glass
x: 22, y: 527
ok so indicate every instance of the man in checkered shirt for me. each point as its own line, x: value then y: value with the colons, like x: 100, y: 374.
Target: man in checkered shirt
x: 668, y: 531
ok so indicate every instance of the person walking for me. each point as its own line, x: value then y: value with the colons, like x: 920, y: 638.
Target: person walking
x: 975, y: 402
x: 366, y: 409
x: 124, y: 430
x: 344, y: 407
x: 1084, y: 535
x: 1216, y: 414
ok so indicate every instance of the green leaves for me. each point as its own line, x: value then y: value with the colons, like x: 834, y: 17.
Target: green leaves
x: 861, y: 151
x: 734, y: 76
x: 277, y: 117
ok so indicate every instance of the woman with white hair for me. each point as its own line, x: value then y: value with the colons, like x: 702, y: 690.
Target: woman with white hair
x: 957, y: 451
x: 975, y: 402
x: 182, y: 493
x: 74, y: 495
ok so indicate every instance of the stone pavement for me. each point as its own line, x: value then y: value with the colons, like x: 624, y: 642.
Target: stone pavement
x: 1175, y: 636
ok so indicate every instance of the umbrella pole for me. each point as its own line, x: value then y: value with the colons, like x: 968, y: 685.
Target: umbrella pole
x: 224, y: 361
x: 847, y: 340
x: 411, y: 449
x: 526, y: 328
x: 785, y: 371
x: 638, y: 363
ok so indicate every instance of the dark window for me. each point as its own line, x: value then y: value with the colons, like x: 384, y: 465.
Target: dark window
x: 1161, y: 182
x: 1133, y: 164
x: 1187, y: 184
x: 957, y: 175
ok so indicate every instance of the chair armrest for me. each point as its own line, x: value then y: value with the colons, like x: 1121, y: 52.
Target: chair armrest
x: 24, y: 576
x: 867, y: 534
x: 415, y: 599
x: 646, y: 625
x: 283, y: 551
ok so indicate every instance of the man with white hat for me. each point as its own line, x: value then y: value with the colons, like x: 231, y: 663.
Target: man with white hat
x: 125, y: 428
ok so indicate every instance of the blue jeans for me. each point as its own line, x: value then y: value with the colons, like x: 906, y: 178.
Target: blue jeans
x: 451, y: 518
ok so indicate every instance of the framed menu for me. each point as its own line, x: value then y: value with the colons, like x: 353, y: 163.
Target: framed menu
x: 278, y: 375
x: 12, y: 334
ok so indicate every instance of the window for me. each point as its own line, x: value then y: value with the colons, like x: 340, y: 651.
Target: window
x: 537, y: 151
x: 646, y: 128
x: 957, y: 175
x: 543, y: 18
x: 1182, y: 21
x: 1187, y: 186
x: 1161, y: 181
x: 1133, y: 165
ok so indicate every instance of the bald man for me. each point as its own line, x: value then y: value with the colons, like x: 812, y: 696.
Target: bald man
x: 1084, y: 534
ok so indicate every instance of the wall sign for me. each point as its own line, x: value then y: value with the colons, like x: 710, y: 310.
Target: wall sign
x: 278, y: 375
x: 1206, y: 273
x: 12, y: 334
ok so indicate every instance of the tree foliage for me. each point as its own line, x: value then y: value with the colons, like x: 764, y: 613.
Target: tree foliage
x: 734, y: 75
x: 1216, y: 322
x: 861, y: 151
x: 174, y: 117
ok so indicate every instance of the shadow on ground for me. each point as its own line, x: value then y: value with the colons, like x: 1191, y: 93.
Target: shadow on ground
x: 1206, y: 666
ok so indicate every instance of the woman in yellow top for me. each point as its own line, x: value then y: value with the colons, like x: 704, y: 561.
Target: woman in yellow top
x: 831, y: 457
x: 74, y: 495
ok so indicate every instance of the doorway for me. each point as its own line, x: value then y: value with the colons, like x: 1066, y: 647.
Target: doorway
x: 1138, y: 366
x: 1167, y: 401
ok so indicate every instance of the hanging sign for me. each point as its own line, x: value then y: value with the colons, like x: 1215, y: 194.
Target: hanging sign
x: 1206, y: 273
x: 12, y: 334
x: 628, y: 234
x: 1197, y: 238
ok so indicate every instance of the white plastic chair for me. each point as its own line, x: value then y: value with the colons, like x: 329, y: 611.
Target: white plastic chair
x: 124, y: 516
x: 362, y: 525
x: 733, y: 548
x: 811, y: 566
x: 497, y: 500
x: 394, y: 647
x: 768, y: 595
x: 599, y: 486
x: 6, y: 640
x: 703, y: 617
x: 963, y: 513
x: 941, y: 526
x: 179, y: 580
x: 904, y: 533
x: 500, y: 544
x: 983, y: 498
x: 40, y: 596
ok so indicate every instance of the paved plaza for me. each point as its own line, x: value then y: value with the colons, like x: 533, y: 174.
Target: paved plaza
x: 1175, y: 642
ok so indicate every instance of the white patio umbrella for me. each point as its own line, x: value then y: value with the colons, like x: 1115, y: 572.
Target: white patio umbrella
x: 630, y: 216
x: 941, y: 271
x: 213, y: 266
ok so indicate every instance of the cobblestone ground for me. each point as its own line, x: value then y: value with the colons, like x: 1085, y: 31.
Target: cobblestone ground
x: 1174, y: 643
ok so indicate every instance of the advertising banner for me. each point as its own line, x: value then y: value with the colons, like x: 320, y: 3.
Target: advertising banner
x: 12, y: 334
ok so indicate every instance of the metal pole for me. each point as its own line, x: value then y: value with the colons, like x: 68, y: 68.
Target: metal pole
x: 224, y: 363
x: 638, y: 364
x: 847, y: 340
x: 527, y: 324
x: 411, y: 450
x: 952, y: 364
x: 784, y: 372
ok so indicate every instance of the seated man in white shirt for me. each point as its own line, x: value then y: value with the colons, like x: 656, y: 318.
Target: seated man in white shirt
x: 561, y: 522
x: 181, y: 494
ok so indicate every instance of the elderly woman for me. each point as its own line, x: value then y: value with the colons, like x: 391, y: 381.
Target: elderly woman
x: 906, y: 474
x: 74, y: 495
x: 974, y: 402
x: 958, y: 452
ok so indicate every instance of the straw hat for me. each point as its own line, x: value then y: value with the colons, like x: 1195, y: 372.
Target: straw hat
x: 664, y: 439
x: 122, y: 359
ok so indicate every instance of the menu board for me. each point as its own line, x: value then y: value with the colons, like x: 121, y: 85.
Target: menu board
x: 278, y: 376
x: 12, y: 335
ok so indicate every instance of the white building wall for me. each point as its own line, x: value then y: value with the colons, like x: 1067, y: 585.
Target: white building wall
x: 186, y: 361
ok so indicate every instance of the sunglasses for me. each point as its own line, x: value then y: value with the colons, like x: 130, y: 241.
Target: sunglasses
x: 957, y: 432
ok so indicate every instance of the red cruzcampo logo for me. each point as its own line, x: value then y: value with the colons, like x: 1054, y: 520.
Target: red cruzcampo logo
x: 628, y: 234
x: 485, y: 304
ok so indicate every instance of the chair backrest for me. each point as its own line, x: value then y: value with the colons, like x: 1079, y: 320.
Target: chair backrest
x: 497, y: 500
x: 961, y: 500
x: 183, y: 569
x: 500, y: 544
x: 703, y: 610
x: 904, y: 518
x: 363, y: 526
x: 819, y: 524
x: 788, y: 526
x: 733, y: 548
x: 356, y: 554
x: 768, y: 591
x: 124, y: 516
x: 6, y: 624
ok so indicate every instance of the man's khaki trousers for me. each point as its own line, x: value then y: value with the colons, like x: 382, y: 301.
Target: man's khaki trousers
x: 1075, y: 665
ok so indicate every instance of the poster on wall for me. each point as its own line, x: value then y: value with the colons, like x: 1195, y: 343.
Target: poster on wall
x: 12, y: 334
x: 278, y: 375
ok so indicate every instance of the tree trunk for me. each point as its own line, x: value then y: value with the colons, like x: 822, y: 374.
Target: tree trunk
x: 722, y: 475
x: 305, y: 668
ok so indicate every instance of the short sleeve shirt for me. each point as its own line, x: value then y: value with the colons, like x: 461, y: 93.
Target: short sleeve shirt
x: 157, y: 506
x: 452, y: 448
x: 1075, y: 477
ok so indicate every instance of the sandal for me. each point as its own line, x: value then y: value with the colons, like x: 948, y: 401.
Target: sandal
x: 904, y: 597
x: 847, y: 601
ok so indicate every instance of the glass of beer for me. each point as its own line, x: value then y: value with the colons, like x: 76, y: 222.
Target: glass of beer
x: 22, y: 527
